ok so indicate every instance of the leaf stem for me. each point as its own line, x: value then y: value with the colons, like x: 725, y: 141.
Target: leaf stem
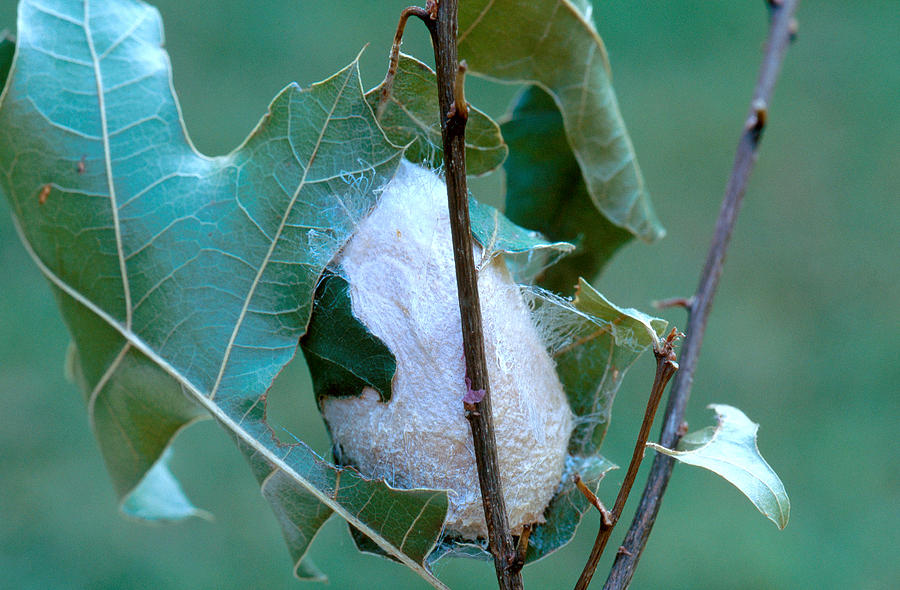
x: 781, y: 31
x: 388, y: 85
x: 665, y: 368
x: 453, y: 116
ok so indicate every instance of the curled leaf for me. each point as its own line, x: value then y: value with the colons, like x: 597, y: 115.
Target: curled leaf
x: 545, y: 190
x: 553, y: 44
x: 410, y: 117
x: 594, y: 343
x: 159, y: 496
x: 729, y: 450
x: 527, y: 252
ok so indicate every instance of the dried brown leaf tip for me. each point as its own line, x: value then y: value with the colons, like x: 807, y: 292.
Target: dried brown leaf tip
x: 45, y: 192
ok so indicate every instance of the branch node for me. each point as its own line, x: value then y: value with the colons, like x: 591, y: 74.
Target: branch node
x: 622, y: 550
x: 473, y: 396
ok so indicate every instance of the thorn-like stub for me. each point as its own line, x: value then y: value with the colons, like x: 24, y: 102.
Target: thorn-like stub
x: 760, y: 109
x: 684, y: 302
x: 793, y: 29
x: 756, y: 122
x: 517, y: 561
x: 459, y: 108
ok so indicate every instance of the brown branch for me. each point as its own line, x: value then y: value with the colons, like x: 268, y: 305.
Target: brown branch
x: 781, y: 31
x: 388, y: 85
x: 453, y: 115
x: 665, y: 368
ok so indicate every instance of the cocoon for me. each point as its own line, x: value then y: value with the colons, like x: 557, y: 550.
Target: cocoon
x: 399, y: 266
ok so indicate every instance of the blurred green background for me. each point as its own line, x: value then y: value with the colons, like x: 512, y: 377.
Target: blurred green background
x: 803, y: 336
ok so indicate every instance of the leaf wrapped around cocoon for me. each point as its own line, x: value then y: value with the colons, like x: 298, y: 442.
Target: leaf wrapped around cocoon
x: 399, y: 266
x: 394, y: 296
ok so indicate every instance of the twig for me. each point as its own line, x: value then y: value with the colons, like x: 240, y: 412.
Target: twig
x: 522, y: 548
x: 388, y: 85
x: 780, y: 33
x: 665, y: 368
x: 454, y: 114
x: 684, y: 302
x: 605, y: 516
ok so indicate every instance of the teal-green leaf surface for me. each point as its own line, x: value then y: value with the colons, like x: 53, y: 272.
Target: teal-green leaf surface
x: 187, y: 281
x: 553, y: 44
x: 545, y: 190
x: 410, y: 117
x: 159, y: 497
x: 594, y: 343
x: 729, y: 450
x: 7, y: 49
x: 527, y: 252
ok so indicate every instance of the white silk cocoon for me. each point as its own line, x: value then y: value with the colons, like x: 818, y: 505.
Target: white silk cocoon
x: 399, y: 265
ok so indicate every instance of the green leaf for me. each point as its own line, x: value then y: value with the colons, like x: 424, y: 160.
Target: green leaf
x: 545, y: 190
x: 7, y: 50
x: 159, y: 496
x: 187, y: 281
x: 527, y: 252
x: 729, y: 450
x: 553, y: 44
x: 594, y: 343
x: 410, y: 116
x: 342, y: 355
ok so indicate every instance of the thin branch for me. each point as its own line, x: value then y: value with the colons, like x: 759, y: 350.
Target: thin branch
x: 781, y: 30
x: 665, y: 368
x: 454, y: 115
x: 388, y: 85
x: 684, y: 302
x: 605, y: 516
